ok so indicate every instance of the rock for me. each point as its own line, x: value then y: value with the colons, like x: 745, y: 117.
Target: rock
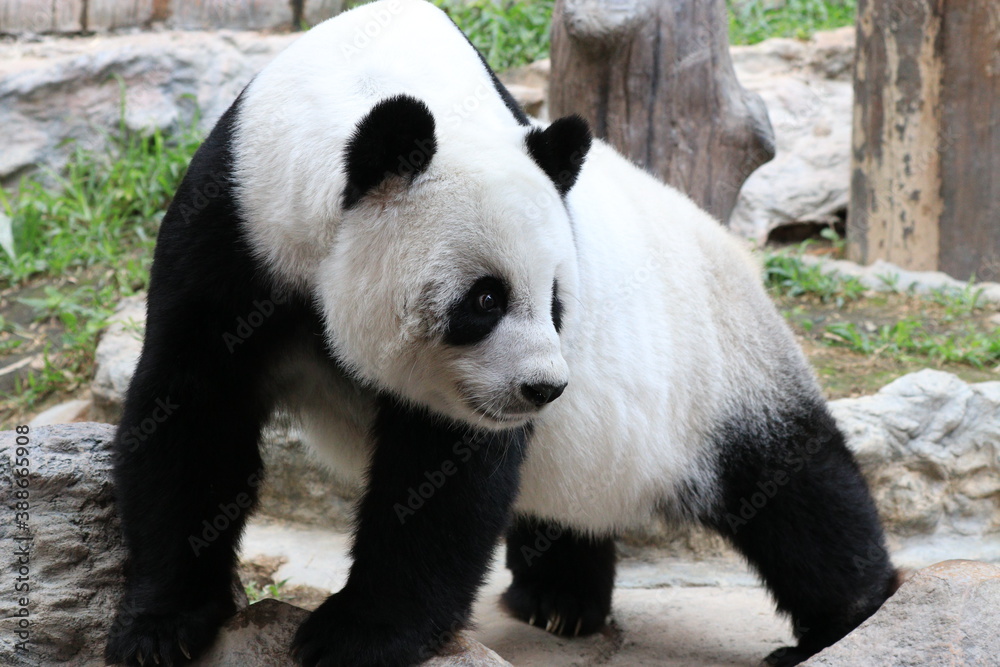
x: 808, y: 92
x: 300, y: 488
x: 260, y: 636
x: 529, y: 84
x: 64, y: 413
x: 532, y: 75
x: 832, y: 53
x: 117, y: 355
x: 883, y: 276
x: 929, y: 445
x: 530, y: 99
x: 75, y: 561
x: 466, y: 652
x: 946, y: 614
x: 57, y: 88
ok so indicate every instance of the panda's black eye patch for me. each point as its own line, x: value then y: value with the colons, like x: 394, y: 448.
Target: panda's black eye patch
x: 477, y: 313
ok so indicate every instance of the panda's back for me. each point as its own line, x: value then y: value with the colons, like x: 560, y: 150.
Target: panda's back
x: 671, y: 335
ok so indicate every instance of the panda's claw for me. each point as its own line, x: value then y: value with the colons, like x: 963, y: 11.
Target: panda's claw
x: 531, y: 621
x: 140, y: 658
x: 579, y: 623
x: 184, y: 649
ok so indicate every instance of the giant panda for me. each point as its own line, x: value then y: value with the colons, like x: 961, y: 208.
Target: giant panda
x: 507, y: 319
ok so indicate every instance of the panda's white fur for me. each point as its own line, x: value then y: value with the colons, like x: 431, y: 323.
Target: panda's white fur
x: 667, y: 332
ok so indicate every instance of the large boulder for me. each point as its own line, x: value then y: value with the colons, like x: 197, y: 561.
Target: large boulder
x: 809, y: 95
x: 60, y: 89
x: 68, y: 551
x: 72, y: 537
x: 929, y: 444
x: 117, y: 356
x: 946, y: 614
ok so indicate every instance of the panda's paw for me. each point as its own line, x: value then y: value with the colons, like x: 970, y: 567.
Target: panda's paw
x: 787, y: 657
x: 562, y: 611
x: 342, y: 633
x: 143, y: 639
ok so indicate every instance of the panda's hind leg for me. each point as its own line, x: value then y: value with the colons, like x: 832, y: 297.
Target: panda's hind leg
x: 795, y: 504
x: 562, y: 580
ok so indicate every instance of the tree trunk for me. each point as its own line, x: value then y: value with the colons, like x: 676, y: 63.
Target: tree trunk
x: 654, y: 78
x: 926, y: 159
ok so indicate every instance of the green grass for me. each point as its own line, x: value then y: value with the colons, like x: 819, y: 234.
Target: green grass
x: 751, y: 21
x: 911, y: 338
x: 101, y: 209
x: 88, y: 233
x: 508, y: 33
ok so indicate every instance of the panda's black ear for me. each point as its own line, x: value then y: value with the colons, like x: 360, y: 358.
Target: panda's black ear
x: 396, y: 138
x: 560, y: 150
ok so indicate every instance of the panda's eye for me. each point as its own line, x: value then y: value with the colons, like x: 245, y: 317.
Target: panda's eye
x: 487, y: 302
x: 476, y: 314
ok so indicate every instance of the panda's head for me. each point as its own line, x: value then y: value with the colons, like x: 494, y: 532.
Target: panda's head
x: 453, y: 266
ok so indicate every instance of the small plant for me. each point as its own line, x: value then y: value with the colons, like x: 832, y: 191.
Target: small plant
x: 838, y: 242
x: 255, y: 593
x: 958, y: 303
x: 890, y: 280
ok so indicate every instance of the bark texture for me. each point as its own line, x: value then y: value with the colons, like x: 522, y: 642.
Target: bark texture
x: 656, y: 81
x: 926, y: 146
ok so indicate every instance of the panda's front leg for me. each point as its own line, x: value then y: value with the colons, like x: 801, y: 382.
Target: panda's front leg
x: 439, y: 496
x: 187, y: 470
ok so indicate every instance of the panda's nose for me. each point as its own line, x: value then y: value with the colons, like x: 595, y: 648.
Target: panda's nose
x: 542, y: 393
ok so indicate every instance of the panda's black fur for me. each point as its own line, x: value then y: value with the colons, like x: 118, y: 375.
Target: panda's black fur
x: 792, y: 501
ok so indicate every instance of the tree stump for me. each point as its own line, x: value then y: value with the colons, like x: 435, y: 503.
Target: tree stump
x: 926, y: 159
x: 656, y: 81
